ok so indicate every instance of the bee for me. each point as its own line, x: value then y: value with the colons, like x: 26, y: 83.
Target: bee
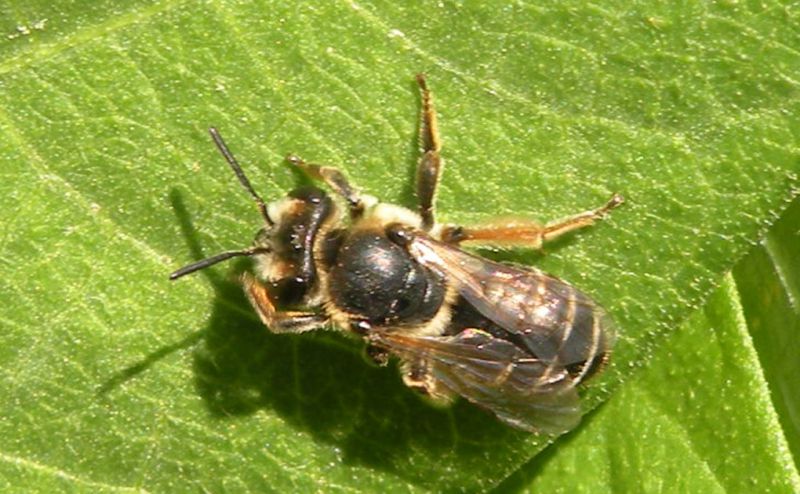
x: 510, y: 339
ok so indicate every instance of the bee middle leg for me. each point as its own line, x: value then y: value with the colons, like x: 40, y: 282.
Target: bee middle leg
x: 335, y: 180
x: 275, y: 320
x: 377, y: 355
x: 526, y: 233
x: 417, y: 376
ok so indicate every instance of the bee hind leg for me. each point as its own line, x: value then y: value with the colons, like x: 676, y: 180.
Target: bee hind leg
x: 526, y: 233
x: 275, y: 320
x: 417, y: 376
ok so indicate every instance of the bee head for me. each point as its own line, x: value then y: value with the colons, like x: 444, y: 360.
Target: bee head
x: 283, y: 248
x: 286, y: 243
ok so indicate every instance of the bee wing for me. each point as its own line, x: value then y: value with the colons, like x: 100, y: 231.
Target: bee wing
x: 556, y: 322
x: 495, y: 374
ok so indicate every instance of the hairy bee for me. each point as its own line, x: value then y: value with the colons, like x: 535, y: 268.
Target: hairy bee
x: 513, y: 340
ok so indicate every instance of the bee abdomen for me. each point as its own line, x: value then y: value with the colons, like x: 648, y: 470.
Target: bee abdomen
x: 549, y: 319
x: 571, y: 330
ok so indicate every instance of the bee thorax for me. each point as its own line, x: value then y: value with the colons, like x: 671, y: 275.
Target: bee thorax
x: 375, y: 279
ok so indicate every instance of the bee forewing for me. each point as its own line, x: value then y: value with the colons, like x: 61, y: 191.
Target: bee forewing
x: 495, y: 374
x: 559, y: 324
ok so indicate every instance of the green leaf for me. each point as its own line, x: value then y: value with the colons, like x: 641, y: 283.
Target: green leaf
x: 714, y: 411
x: 768, y: 280
x: 117, y: 379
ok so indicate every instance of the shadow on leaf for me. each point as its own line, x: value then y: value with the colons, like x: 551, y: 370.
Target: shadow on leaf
x: 320, y: 383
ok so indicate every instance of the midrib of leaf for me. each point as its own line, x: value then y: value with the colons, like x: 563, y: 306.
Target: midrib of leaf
x: 766, y: 279
x: 783, y: 266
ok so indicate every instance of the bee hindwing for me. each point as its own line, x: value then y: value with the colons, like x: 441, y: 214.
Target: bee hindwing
x: 495, y: 374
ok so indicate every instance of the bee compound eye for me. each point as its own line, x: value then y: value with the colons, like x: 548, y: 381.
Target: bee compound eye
x: 308, y: 193
x: 399, y: 234
x: 402, y: 305
x: 290, y: 290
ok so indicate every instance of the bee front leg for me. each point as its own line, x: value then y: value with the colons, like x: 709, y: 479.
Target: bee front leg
x: 417, y: 376
x: 275, y: 320
x: 335, y: 180
x: 526, y: 233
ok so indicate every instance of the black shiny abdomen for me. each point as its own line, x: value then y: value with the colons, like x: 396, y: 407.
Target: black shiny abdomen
x: 377, y: 280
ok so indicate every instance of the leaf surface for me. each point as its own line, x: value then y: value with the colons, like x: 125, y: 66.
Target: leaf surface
x: 117, y: 379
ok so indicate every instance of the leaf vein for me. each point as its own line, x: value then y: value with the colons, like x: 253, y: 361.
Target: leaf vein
x: 56, y: 472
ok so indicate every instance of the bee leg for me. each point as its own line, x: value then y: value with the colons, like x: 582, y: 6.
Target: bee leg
x: 379, y: 356
x: 429, y: 168
x: 527, y: 234
x: 417, y: 376
x: 275, y: 320
x: 580, y: 220
x: 335, y: 180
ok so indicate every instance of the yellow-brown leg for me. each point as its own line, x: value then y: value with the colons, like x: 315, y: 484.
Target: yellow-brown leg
x: 417, y: 376
x: 275, y: 320
x: 429, y: 168
x: 334, y: 179
x: 526, y: 233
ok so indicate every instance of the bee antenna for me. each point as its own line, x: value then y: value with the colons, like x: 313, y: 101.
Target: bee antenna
x: 197, y: 266
x: 223, y: 148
